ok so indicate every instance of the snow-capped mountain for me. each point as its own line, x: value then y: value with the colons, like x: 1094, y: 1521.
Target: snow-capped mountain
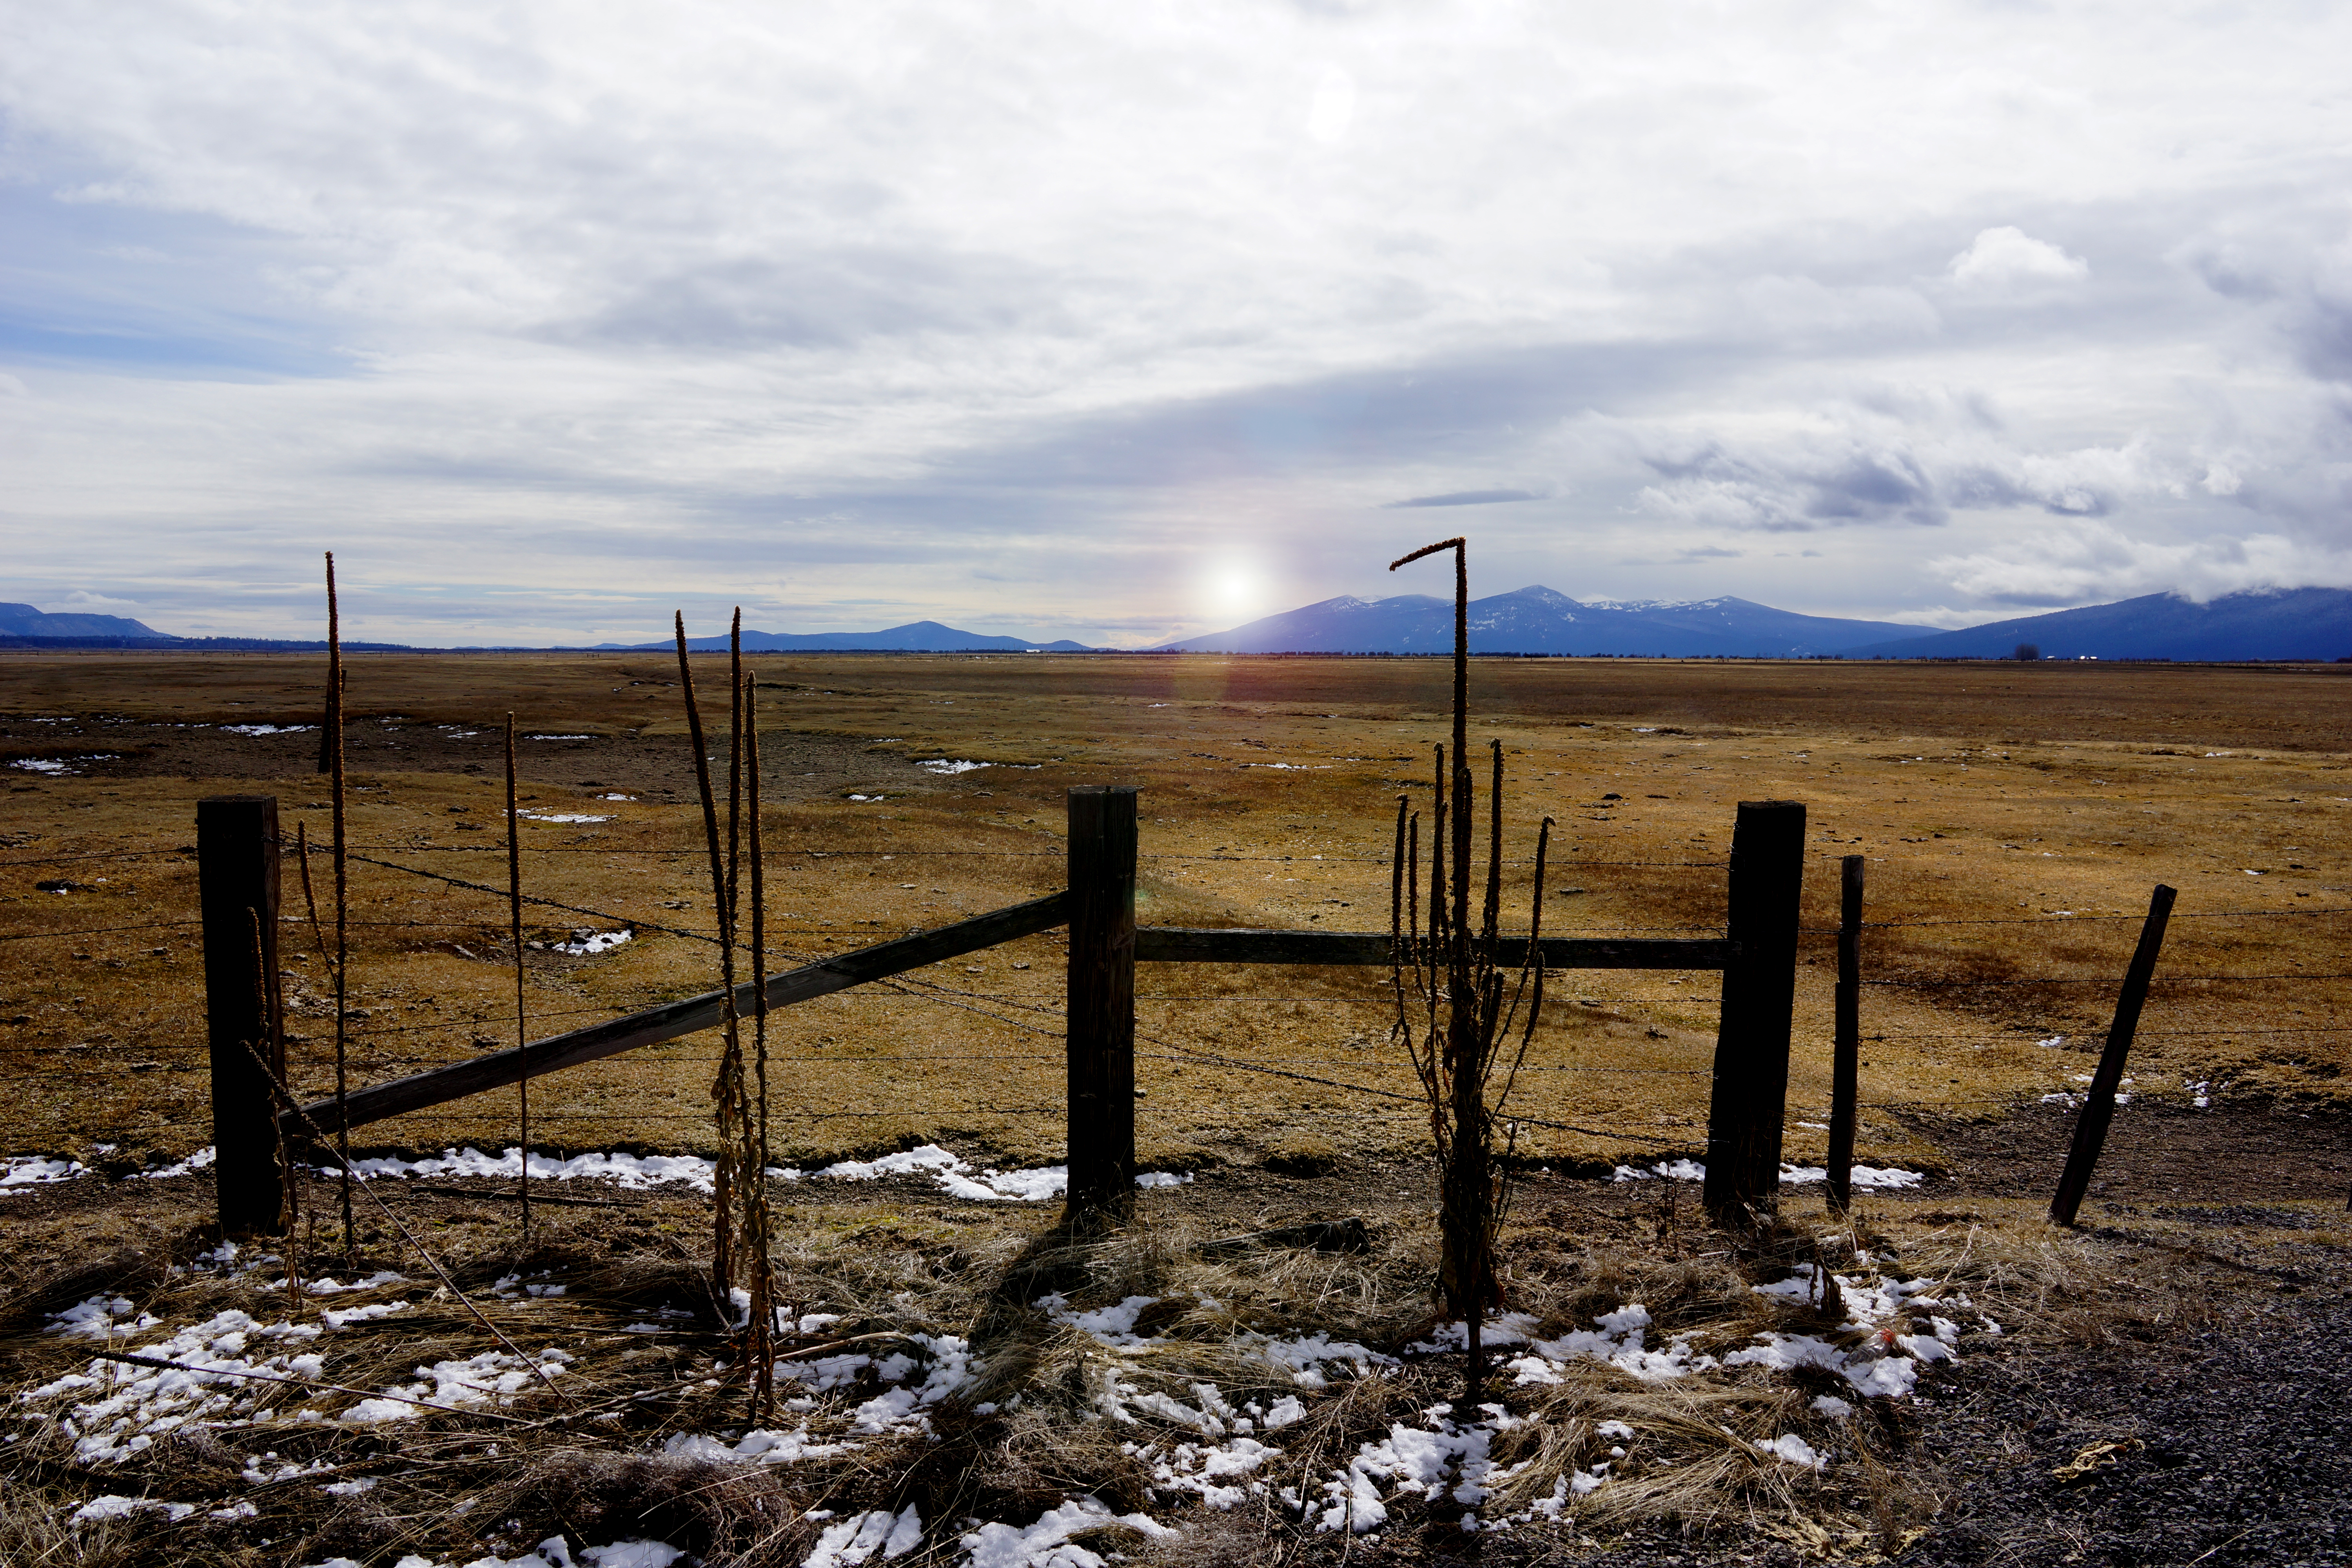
x: 2260, y: 623
x: 1543, y: 620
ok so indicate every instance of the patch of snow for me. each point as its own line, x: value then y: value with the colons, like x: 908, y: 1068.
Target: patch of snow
x: 201, y: 1160
x: 1619, y: 1343
x: 1424, y: 1458
x: 119, y: 1410
x: 1211, y: 1471
x: 1046, y: 1544
x: 1790, y: 1448
x: 1886, y: 1177
x: 1882, y: 1177
x: 559, y: 737
x: 266, y: 729
x: 632, y: 1172
x: 864, y: 1535
x: 490, y: 1379
x: 596, y: 942
x: 759, y: 1445
x: 560, y: 816
x: 99, y: 1510
x: 950, y: 765
x: 19, y: 1171
x: 959, y: 1178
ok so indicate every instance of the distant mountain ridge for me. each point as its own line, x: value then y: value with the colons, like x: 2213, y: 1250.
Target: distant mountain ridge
x: 1537, y: 619
x: 26, y: 621
x: 915, y: 636
x: 2251, y: 625
x: 2256, y: 624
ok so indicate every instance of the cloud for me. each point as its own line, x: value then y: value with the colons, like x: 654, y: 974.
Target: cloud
x: 2008, y: 254
x: 81, y: 599
x: 2094, y: 562
x: 1465, y: 498
x: 523, y: 307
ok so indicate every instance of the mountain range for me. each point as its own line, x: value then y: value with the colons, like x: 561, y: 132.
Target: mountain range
x: 2260, y: 624
x: 915, y: 636
x: 25, y: 621
x: 1542, y: 620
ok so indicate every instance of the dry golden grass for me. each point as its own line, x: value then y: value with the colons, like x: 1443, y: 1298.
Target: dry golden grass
x: 1977, y: 793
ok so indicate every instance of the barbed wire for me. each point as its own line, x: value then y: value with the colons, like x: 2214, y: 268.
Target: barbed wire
x: 96, y: 931
x: 531, y: 898
x: 2103, y: 980
x: 92, y: 855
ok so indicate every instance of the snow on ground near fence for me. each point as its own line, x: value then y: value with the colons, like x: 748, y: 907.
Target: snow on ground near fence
x: 1202, y: 1448
x: 55, y: 768
x: 30, y: 1170
x: 1886, y: 1177
x: 552, y: 1553
x: 951, y: 1173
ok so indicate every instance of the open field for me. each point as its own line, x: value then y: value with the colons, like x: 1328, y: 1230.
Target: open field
x: 2051, y: 797
x: 2014, y: 819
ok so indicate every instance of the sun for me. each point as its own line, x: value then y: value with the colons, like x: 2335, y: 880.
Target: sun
x: 1233, y: 591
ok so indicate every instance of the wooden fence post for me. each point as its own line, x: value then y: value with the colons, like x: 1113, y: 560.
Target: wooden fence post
x: 237, y: 875
x: 2099, y: 1101
x: 1101, y: 1000
x: 1846, y: 1064
x: 1746, y: 1110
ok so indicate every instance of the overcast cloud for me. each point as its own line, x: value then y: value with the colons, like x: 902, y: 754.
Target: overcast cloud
x: 1127, y: 322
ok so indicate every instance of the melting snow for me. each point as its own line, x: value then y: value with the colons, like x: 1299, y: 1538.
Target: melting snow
x: 959, y: 1178
x: 1047, y: 1544
x: 492, y: 1378
x: 596, y: 942
x: 266, y: 729
x: 99, y: 1509
x: 948, y: 766
x: 1790, y: 1175
x: 552, y: 1553
x: 30, y: 1170
x: 879, y: 1533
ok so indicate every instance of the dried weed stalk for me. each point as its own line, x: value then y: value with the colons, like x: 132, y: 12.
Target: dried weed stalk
x: 1450, y: 973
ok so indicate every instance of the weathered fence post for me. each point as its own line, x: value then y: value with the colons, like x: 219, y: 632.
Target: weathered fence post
x: 1101, y: 999
x: 1745, y: 1117
x: 2099, y: 1101
x: 236, y: 875
x: 1845, y: 1063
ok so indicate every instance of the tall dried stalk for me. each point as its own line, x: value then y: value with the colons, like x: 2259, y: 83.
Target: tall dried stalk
x: 1468, y: 1007
x: 759, y: 1328
x: 514, y: 932
x: 723, y: 1236
x: 342, y: 905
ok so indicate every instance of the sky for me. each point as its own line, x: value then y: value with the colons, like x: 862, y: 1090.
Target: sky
x: 1130, y: 322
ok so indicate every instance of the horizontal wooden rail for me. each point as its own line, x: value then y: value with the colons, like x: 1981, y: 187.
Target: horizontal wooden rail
x: 498, y: 1069
x: 1185, y: 945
